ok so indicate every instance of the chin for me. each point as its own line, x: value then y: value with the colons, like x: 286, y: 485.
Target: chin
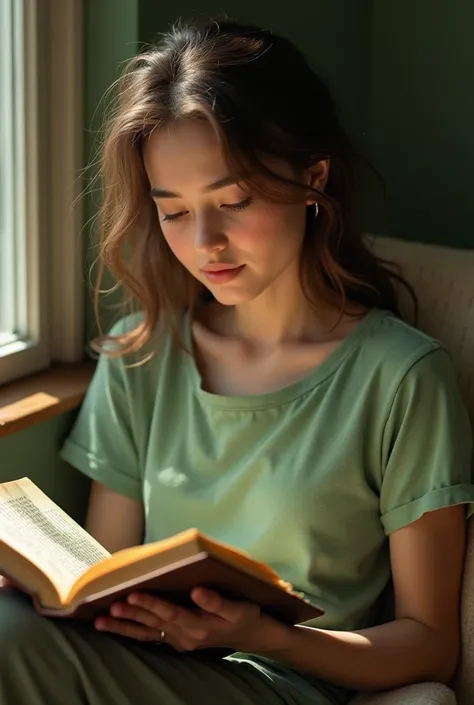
x: 228, y: 300
x: 232, y: 298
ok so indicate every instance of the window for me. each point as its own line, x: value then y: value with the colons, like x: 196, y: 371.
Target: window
x: 40, y: 162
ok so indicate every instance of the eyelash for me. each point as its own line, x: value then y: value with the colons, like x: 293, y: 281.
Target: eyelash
x: 231, y: 206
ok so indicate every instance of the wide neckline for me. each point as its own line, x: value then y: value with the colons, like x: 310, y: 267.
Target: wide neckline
x: 290, y: 392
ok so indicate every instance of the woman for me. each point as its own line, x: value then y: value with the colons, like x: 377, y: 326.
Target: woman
x: 267, y: 394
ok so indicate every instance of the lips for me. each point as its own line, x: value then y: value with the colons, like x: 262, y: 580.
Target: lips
x: 218, y: 267
x: 221, y: 273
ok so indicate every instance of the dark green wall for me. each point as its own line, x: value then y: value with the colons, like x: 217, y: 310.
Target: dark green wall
x: 402, y: 75
x: 334, y: 34
x: 422, y: 117
x: 110, y: 38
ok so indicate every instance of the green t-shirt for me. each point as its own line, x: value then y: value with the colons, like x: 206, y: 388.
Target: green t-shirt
x: 310, y: 479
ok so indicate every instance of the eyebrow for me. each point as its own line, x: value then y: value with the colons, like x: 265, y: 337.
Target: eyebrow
x: 157, y: 192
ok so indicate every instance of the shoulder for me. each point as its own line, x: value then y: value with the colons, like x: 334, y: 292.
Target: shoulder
x: 127, y: 323
x: 396, y: 366
x: 143, y: 367
x: 162, y: 335
x: 414, y: 378
x: 400, y: 341
x: 393, y: 348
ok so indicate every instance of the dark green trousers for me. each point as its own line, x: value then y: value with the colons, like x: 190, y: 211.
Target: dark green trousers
x: 56, y: 662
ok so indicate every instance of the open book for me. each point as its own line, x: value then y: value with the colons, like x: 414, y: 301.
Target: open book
x: 69, y: 574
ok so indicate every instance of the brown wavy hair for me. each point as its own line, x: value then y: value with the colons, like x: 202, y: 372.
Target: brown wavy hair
x: 265, y: 103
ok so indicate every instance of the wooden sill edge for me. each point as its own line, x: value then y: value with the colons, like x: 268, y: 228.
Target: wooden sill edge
x: 43, y: 395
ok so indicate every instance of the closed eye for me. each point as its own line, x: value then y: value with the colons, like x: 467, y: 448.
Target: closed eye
x: 173, y: 216
x: 238, y: 206
x: 228, y: 206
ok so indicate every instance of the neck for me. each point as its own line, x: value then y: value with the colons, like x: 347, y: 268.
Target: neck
x: 280, y: 315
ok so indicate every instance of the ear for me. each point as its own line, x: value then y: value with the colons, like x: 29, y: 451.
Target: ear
x: 317, y: 176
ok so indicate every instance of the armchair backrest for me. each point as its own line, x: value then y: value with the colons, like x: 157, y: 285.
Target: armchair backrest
x: 443, y: 280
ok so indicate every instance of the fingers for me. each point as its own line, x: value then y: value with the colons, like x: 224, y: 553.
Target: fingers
x: 130, y: 621
x: 7, y: 583
x: 171, y: 618
x: 132, y: 630
x: 134, y: 613
x: 235, y: 612
x: 217, y: 622
x: 144, y: 625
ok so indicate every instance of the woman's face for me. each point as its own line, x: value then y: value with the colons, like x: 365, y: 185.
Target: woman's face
x: 236, y: 244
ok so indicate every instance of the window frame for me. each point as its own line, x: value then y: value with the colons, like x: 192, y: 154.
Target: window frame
x: 50, y: 293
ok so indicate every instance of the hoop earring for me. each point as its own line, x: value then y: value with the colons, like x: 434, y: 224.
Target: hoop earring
x: 312, y: 212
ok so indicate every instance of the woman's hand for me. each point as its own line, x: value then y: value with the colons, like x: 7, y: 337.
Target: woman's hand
x: 216, y: 622
x: 7, y: 583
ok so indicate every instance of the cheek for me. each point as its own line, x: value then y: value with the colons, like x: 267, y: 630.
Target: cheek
x: 274, y: 232
x: 180, y: 245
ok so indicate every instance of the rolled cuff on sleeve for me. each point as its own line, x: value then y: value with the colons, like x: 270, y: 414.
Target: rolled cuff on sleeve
x: 90, y: 465
x: 406, y: 514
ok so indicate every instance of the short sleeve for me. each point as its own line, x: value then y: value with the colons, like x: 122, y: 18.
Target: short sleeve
x: 101, y: 443
x: 427, y: 445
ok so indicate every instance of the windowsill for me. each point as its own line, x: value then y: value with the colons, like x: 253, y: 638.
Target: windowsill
x: 43, y: 396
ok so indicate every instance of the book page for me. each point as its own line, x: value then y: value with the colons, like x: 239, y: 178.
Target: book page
x: 41, y: 531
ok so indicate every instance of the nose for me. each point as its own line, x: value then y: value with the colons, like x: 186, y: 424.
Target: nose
x: 208, y: 236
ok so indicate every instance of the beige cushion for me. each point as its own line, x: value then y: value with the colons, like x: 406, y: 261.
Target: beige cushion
x: 418, y: 694
x: 443, y: 280
x: 444, y: 283
x: 464, y: 680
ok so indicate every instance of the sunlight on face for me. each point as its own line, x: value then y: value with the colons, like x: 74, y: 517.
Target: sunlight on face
x: 236, y: 244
